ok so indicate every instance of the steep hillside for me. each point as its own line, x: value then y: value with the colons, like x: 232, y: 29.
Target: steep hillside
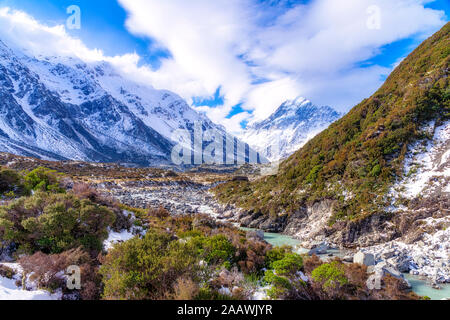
x: 290, y: 127
x: 350, y: 168
x: 56, y: 111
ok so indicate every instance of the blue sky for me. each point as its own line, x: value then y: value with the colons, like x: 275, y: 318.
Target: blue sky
x: 255, y: 53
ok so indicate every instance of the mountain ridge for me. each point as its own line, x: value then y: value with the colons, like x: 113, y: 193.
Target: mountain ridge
x: 63, y: 108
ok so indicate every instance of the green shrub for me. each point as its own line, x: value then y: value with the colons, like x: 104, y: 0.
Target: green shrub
x: 275, y: 254
x: 215, y: 250
x: 53, y: 223
x: 282, y: 278
x: 375, y: 171
x: 312, y: 176
x: 277, y: 281
x: 330, y: 275
x: 43, y: 179
x: 289, y: 265
x: 147, y: 268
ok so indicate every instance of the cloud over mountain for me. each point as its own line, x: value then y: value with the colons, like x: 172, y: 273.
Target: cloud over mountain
x: 264, y: 52
x: 259, y: 53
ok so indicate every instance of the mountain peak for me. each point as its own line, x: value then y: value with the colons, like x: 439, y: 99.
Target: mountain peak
x: 293, y: 124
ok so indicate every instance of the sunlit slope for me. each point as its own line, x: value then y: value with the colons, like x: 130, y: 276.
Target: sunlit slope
x: 359, y: 157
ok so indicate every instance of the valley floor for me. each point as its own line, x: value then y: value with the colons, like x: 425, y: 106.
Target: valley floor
x: 189, y: 192
x: 428, y: 259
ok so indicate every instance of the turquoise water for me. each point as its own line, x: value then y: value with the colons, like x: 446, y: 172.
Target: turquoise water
x: 422, y: 288
x: 419, y: 286
x: 278, y: 240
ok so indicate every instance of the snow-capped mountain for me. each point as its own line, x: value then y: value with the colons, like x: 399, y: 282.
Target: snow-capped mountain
x: 62, y: 108
x: 289, y: 128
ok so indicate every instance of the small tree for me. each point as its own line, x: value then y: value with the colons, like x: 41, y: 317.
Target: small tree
x: 43, y: 179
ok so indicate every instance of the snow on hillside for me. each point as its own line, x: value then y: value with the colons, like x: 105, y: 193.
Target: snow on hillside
x: 427, y: 165
x: 117, y: 237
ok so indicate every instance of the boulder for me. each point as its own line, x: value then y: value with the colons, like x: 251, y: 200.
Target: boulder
x: 393, y: 272
x: 404, y: 265
x: 255, y: 234
x: 363, y: 258
x: 379, y: 271
x: 374, y: 281
x: 348, y: 259
x: 388, y: 254
x: 385, y: 268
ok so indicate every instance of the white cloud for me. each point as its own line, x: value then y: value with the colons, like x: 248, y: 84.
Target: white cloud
x: 22, y: 31
x: 311, y: 50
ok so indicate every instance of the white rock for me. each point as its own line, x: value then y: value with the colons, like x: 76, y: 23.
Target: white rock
x: 362, y: 258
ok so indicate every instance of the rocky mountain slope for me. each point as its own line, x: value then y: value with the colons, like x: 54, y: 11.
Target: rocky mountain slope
x: 373, y: 176
x: 62, y: 108
x: 289, y: 128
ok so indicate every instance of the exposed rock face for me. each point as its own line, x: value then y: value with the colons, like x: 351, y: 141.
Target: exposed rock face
x: 308, y: 224
x: 257, y: 220
x: 371, y: 230
x: 313, y: 226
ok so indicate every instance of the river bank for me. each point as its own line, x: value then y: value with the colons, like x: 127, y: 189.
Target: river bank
x: 419, y: 284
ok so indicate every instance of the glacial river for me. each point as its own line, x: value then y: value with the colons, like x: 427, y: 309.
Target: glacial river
x: 419, y: 286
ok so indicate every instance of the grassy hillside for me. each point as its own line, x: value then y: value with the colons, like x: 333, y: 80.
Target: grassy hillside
x: 358, y: 157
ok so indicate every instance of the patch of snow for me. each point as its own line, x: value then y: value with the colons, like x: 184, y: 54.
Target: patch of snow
x: 225, y: 291
x: 426, y: 166
x: 261, y: 294
x: 10, y: 291
x: 117, y: 237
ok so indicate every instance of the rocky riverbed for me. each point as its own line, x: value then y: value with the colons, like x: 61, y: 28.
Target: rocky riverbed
x: 178, y: 197
x: 429, y: 257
